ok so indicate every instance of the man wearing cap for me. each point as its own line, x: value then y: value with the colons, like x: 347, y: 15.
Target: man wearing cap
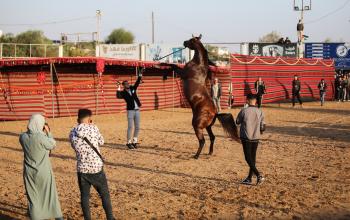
x: 133, y: 104
x: 251, y: 121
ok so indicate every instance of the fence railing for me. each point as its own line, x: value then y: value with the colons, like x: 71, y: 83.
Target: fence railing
x: 18, y: 50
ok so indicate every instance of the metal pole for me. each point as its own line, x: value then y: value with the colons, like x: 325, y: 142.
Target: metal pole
x: 52, y: 95
x: 30, y: 50
x: 98, y: 17
x: 15, y: 51
x: 173, y: 90
x: 1, y: 48
x: 152, y: 27
x: 45, y: 50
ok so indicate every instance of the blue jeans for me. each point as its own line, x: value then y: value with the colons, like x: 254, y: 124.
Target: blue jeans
x: 133, y: 123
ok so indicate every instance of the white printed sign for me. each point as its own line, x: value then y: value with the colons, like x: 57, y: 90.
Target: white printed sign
x: 120, y: 51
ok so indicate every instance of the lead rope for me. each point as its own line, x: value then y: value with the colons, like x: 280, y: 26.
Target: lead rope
x: 64, y: 96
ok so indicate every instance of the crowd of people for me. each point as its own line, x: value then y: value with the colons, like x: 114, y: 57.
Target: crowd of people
x: 342, y: 85
x: 86, y: 139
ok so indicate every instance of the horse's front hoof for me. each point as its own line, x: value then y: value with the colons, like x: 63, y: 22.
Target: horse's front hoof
x: 196, y: 157
x: 210, y: 152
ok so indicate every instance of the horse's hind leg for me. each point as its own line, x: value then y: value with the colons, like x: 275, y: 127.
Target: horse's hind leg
x: 201, y: 140
x: 212, y: 139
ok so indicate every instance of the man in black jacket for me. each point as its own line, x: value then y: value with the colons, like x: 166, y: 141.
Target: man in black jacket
x: 260, y: 90
x: 296, y: 91
x: 322, y: 86
x: 300, y: 29
x: 133, y: 109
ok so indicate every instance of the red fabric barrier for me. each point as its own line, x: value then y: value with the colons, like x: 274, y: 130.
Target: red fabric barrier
x: 26, y: 84
x: 26, y: 87
x: 278, y: 74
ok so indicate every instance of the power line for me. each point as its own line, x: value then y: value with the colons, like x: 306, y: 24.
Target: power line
x: 52, y: 22
x: 329, y: 14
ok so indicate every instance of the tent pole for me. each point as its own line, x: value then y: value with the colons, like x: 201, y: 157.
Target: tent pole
x: 52, y: 95
x: 97, y: 92
x: 173, y: 90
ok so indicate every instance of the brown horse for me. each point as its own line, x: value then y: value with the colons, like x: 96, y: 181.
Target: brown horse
x: 195, y: 76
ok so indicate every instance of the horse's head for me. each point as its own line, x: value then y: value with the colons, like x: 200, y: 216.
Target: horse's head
x: 194, y: 42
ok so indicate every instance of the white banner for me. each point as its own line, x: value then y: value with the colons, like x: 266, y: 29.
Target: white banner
x: 156, y: 51
x: 120, y: 51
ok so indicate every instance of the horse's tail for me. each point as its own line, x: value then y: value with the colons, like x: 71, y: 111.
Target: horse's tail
x: 229, y: 125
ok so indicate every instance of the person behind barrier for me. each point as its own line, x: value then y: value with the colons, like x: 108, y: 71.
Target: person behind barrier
x: 39, y: 180
x: 216, y: 94
x: 129, y: 94
x: 296, y: 87
x: 345, y: 88
x: 252, y: 125
x: 322, y: 86
x: 260, y: 90
x: 86, y: 140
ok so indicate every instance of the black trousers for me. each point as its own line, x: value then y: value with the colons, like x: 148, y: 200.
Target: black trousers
x: 259, y: 99
x: 296, y: 95
x: 249, y: 148
x: 99, y: 182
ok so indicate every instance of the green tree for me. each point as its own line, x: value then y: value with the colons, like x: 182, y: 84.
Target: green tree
x: 327, y: 40
x: 271, y: 37
x: 27, y: 37
x: 32, y: 37
x: 7, y: 38
x: 120, y: 36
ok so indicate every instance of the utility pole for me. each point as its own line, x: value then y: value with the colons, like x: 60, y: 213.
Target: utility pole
x: 300, y: 5
x: 98, y: 17
x: 152, y: 27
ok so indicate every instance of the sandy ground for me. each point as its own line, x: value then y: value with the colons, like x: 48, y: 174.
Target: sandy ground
x: 305, y: 156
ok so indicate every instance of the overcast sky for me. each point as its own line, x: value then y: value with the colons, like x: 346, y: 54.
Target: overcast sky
x: 175, y: 21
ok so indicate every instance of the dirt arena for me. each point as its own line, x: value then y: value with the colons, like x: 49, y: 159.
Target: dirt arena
x: 304, y: 154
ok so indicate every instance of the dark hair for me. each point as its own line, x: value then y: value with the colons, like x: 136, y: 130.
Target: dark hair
x: 251, y: 96
x: 125, y: 81
x: 83, y: 113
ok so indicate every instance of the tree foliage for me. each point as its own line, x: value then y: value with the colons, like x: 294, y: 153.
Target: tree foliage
x: 27, y: 37
x: 120, y: 36
x: 271, y: 37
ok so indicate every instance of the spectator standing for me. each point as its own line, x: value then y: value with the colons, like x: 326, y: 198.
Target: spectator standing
x: 38, y: 176
x: 216, y: 94
x: 300, y: 30
x: 322, y: 86
x: 260, y: 90
x: 345, y: 84
x: 85, y: 139
x: 296, y: 87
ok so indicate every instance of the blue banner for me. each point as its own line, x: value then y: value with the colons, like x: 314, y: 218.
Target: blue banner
x: 340, y: 52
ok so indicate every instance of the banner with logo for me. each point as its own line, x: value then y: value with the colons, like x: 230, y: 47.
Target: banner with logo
x: 156, y: 51
x: 120, y: 51
x: 273, y: 50
x: 340, y: 52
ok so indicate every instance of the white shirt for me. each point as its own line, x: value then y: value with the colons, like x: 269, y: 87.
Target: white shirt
x: 136, y: 105
x: 87, y: 159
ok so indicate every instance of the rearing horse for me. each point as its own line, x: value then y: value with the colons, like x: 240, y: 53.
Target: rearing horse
x: 195, y: 75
